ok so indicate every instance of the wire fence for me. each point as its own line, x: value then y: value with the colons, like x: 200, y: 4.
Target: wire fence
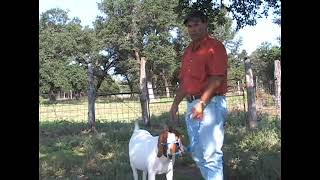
x: 127, y: 107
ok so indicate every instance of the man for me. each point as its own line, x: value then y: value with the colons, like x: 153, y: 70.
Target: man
x: 203, y: 81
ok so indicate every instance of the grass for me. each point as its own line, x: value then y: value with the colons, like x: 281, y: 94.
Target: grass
x: 253, y: 154
x: 68, y: 151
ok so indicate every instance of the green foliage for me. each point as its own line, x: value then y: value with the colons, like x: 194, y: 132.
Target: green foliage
x: 57, y: 46
x: 263, y: 63
x: 109, y: 86
x: 125, y: 26
x: 252, y: 154
x: 244, y: 12
x: 77, y: 77
x: 146, y: 26
x: 236, y: 71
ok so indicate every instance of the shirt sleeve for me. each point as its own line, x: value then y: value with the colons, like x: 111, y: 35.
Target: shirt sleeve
x: 217, y: 64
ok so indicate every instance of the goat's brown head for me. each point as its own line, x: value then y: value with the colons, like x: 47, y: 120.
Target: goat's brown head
x: 170, y: 143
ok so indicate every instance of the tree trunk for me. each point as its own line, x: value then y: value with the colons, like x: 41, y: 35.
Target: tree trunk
x: 144, y: 93
x: 251, y: 97
x: 52, y: 96
x: 166, y: 84
x: 257, y: 87
x: 91, y: 98
x: 238, y: 88
x: 100, y: 80
x: 277, y: 77
x: 77, y: 95
x: 129, y: 84
x: 70, y: 94
x: 243, y: 96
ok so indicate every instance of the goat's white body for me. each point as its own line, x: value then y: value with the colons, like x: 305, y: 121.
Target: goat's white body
x: 143, y: 155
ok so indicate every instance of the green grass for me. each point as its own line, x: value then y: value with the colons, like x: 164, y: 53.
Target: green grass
x: 68, y: 151
x: 252, y: 154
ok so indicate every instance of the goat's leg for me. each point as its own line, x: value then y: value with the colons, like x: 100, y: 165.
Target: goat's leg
x: 151, y: 175
x: 169, y: 175
x: 144, y: 175
x: 135, y: 173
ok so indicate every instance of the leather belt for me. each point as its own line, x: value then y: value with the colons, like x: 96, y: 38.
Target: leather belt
x: 191, y: 98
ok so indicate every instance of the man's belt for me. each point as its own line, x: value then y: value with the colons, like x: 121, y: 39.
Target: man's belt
x: 191, y: 98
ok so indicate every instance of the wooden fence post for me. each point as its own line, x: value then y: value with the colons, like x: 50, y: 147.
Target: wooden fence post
x: 144, y: 93
x: 277, y: 77
x: 251, y: 97
x: 91, y: 98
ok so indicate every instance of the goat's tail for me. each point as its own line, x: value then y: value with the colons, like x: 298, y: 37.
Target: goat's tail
x: 136, y: 125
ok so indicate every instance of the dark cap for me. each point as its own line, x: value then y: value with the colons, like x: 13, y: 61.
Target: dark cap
x: 195, y: 15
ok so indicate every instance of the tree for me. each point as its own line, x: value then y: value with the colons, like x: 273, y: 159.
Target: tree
x: 121, y: 32
x: 159, y: 20
x: 55, y: 48
x: 142, y: 28
x: 115, y: 32
x: 236, y: 73
x: 77, y: 78
x: 244, y: 12
x: 129, y: 70
x: 109, y: 86
x: 263, y: 63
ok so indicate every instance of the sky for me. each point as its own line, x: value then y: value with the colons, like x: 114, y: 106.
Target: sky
x: 87, y: 11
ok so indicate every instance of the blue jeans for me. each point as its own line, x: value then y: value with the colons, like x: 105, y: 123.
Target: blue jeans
x: 206, y: 137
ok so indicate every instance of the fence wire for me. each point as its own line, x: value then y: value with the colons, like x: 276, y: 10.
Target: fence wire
x: 127, y: 107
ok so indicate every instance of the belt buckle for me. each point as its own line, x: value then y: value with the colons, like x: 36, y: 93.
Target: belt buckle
x: 191, y: 98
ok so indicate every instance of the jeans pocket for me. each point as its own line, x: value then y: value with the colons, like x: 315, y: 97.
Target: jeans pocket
x: 221, y: 106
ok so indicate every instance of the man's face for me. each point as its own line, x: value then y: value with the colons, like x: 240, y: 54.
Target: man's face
x: 196, y: 29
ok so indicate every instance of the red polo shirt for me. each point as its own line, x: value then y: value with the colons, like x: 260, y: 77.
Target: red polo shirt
x: 210, y: 58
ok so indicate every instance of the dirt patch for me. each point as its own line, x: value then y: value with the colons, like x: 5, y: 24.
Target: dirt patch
x: 190, y: 171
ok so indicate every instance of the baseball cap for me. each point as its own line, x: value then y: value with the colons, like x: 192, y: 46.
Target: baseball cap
x: 195, y: 15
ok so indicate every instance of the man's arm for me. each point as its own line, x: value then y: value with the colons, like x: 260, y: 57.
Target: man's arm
x: 180, y: 94
x: 214, y: 81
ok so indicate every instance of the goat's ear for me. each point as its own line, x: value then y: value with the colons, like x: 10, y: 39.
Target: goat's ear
x: 162, y: 139
x: 176, y: 132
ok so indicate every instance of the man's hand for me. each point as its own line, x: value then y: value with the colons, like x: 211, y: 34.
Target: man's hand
x: 173, y: 112
x: 197, y: 111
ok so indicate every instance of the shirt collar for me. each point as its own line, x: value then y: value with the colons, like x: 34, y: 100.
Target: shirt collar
x: 201, y: 42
